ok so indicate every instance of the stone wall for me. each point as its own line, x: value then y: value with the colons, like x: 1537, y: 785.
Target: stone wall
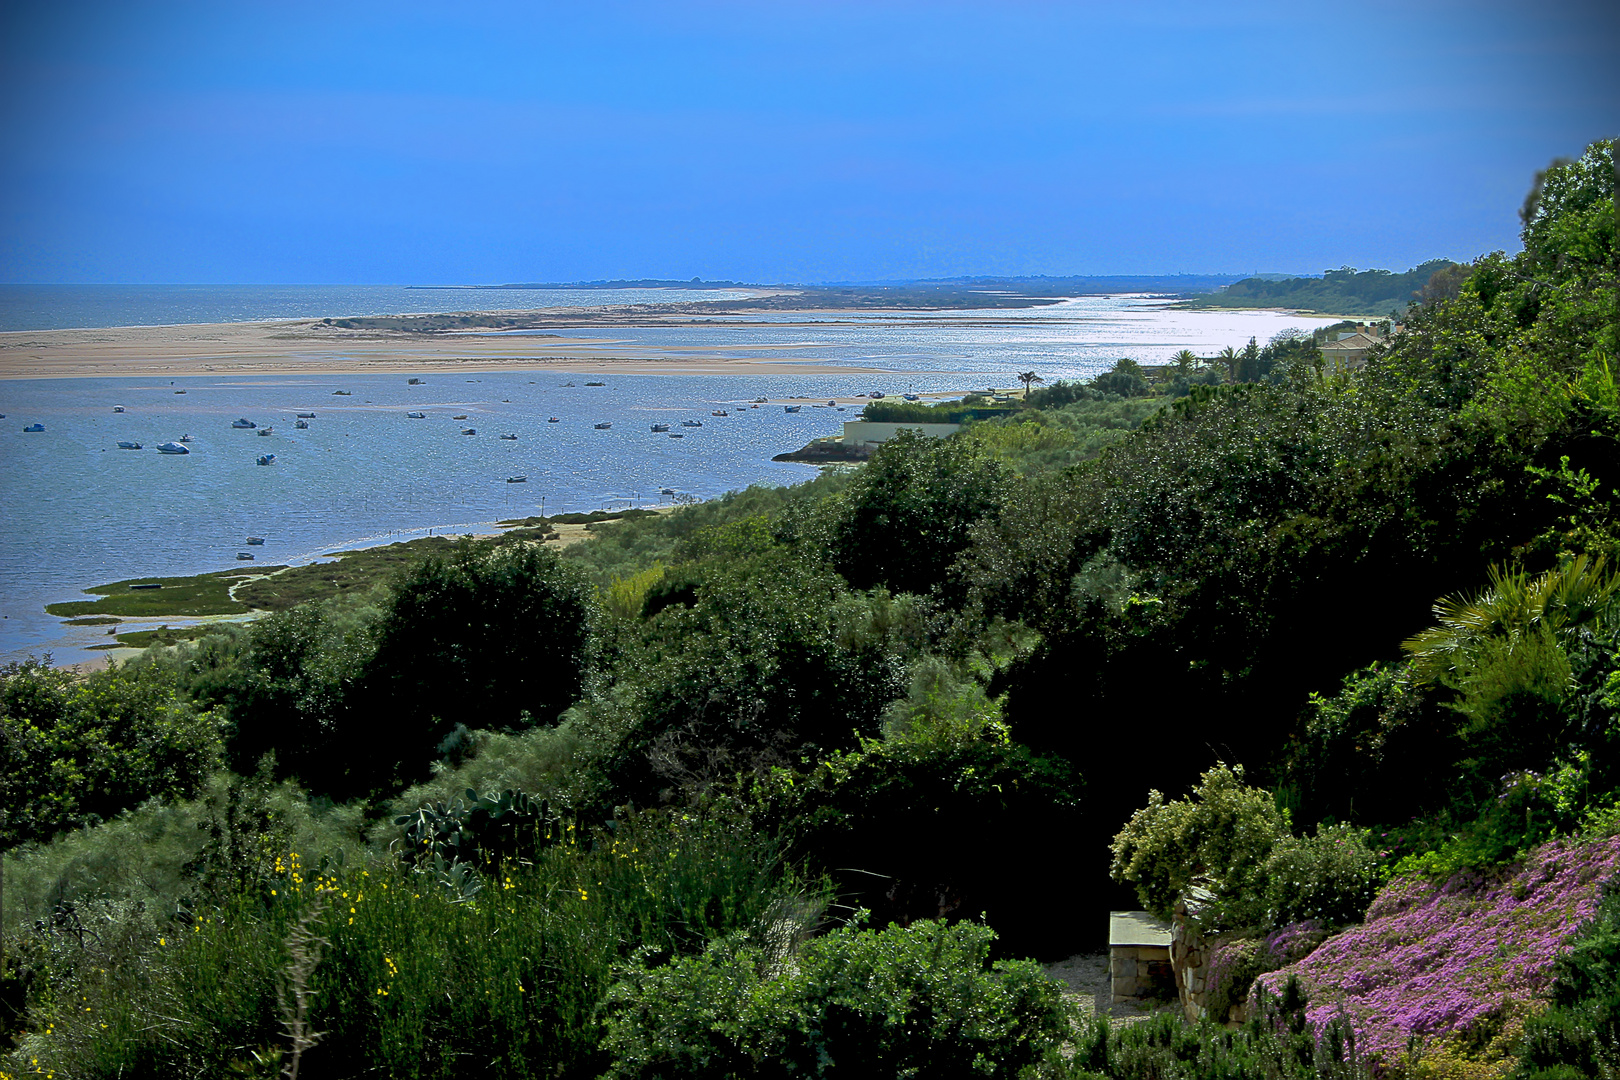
x: 1189, y: 960
x: 1138, y: 971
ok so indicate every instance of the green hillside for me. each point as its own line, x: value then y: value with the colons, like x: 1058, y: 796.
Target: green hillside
x: 1346, y: 291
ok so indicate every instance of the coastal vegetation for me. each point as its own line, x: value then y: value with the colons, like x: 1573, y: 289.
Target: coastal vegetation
x: 796, y: 780
x: 1345, y: 291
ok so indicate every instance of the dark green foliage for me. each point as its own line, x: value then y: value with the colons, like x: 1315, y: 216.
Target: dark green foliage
x: 951, y: 828
x: 921, y: 1001
x: 739, y: 672
x: 906, y: 516
x: 76, y: 750
x: 1124, y: 379
x: 497, y: 639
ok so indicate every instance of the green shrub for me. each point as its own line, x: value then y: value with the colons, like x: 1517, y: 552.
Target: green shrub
x: 1330, y: 877
x: 922, y: 1000
x: 1219, y: 840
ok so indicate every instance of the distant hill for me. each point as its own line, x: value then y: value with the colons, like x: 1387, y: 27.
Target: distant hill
x: 1345, y: 291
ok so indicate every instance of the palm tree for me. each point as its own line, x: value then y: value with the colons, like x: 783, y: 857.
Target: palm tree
x: 1229, y: 357
x: 1029, y: 378
x: 1185, y: 362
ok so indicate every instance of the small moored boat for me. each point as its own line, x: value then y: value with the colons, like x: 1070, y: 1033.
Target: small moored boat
x: 469, y: 431
x: 416, y: 415
x: 875, y: 395
x: 179, y: 391
x: 185, y: 438
x: 676, y: 435
x: 517, y: 479
x: 791, y: 408
x: 256, y: 541
x: 413, y: 382
x: 603, y: 427
x: 267, y: 431
x: 306, y: 416
x: 760, y: 400
x: 172, y: 448
x: 243, y: 422
x: 118, y: 408
x: 510, y: 436
x: 342, y: 393
x: 129, y: 446
x: 660, y: 427
x: 301, y: 424
x: 463, y: 416
x: 245, y: 556
x: 719, y: 412
x: 267, y: 459
x: 35, y: 427
x: 554, y: 420
x: 666, y: 491
x: 691, y: 423
x: 908, y: 397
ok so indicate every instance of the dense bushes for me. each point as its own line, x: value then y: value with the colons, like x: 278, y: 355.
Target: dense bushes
x: 74, y: 751
x: 923, y: 1000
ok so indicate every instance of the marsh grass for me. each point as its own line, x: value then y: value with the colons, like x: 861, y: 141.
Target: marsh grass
x: 203, y: 594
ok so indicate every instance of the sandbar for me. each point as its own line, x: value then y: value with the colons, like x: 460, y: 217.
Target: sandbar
x: 316, y: 347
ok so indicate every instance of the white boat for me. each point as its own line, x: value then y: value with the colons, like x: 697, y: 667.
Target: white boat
x: 416, y: 416
x: 719, y: 412
x: 256, y: 541
x: 172, y: 448
x: 267, y: 459
x: 301, y: 424
x: 118, y: 408
x: 660, y: 427
x: 267, y: 431
x: 603, y: 427
x: 129, y: 446
x: 243, y: 423
x: 35, y: 427
x: 245, y: 556
x: 185, y: 438
x: 517, y: 479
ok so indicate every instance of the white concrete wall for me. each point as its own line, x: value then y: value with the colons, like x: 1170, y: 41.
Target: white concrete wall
x: 858, y: 432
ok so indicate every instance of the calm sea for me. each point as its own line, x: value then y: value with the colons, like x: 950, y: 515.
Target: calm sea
x: 80, y: 511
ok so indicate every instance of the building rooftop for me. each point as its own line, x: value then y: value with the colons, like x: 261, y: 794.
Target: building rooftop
x: 1136, y: 928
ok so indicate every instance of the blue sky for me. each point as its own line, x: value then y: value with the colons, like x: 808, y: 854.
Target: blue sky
x: 433, y: 143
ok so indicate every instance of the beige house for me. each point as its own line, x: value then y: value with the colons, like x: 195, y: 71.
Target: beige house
x: 1348, y: 350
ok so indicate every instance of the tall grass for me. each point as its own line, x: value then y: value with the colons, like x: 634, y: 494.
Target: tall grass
x: 413, y: 980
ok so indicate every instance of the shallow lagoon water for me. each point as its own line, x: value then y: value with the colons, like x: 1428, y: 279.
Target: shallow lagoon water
x: 79, y: 512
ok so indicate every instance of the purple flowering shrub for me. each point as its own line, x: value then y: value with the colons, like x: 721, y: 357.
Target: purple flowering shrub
x: 1437, y: 960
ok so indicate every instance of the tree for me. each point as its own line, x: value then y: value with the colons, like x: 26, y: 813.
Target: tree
x: 1029, y: 379
x: 1125, y: 379
x: 491, y: 639
x: 1186, y: 363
